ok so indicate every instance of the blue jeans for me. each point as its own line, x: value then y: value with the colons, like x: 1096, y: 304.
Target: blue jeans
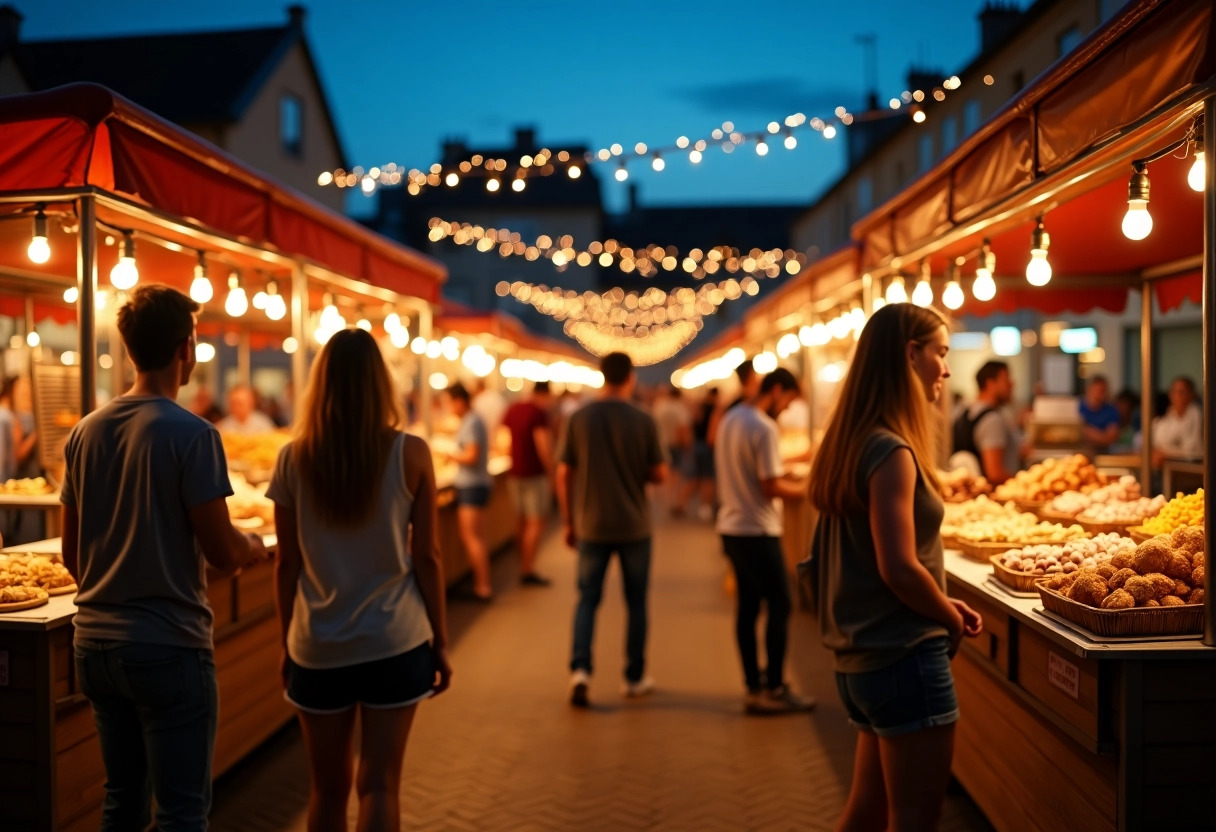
x: 593, y: 560
x: 156, y: 709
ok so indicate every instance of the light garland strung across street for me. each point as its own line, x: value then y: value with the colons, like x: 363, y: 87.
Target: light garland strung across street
x: 498, y: 171
x: 645, y: 261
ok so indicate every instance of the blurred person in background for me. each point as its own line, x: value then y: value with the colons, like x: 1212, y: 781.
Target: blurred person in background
x: 1099, y: 417
x: 701, y: 474
x: 202, y: 404
x: 26, y: 525
x: 675, y: 433
x: 474, y: 486
x: 243, y: 416
x: 1128, y: 404
x: 1178, y: 434
x: 532, y: 463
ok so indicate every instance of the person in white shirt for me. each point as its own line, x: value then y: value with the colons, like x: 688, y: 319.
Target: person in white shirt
x: 1179, y: 433
x: 491, y: 406
x: 243, y: 416
x: 750, y: 489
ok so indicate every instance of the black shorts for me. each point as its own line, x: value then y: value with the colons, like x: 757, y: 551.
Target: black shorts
x: 474, y: 496
x: 395, y: 682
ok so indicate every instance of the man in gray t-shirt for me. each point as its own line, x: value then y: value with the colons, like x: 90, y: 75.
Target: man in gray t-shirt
x: 609, y: 453
x: 144, y: 491
x: 983, y: 428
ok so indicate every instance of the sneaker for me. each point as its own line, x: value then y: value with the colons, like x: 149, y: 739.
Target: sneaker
x: 644, y: 687
x: 579, y: 683
x: 779, y: 701
x: 533, y: 579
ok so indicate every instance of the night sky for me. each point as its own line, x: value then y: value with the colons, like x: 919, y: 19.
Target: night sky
x: 402, y: 76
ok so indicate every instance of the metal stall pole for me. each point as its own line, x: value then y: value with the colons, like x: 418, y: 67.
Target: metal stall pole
x: 299, y: 317
x: 1146, y: 388
x: 86, y: 282
x: 426, y: 322
x: 1209, y: 362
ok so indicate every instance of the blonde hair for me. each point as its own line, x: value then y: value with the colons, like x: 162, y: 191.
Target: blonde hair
x: 881, y: 390
x: 348, y: 423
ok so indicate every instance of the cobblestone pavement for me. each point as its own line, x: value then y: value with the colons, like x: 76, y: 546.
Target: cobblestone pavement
x: 504, y: 751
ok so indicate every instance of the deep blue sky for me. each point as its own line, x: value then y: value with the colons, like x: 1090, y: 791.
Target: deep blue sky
x: 401, y: 75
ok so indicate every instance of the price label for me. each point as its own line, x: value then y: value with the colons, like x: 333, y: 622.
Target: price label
x: 1064, y: 675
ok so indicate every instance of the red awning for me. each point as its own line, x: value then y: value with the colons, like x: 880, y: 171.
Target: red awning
x: 86, y: 135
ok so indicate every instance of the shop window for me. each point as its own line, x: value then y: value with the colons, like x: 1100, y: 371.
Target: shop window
x: 925, y: 152
x: 865, y: 195
x: 949, y: 134
x: 971, y: 117
x: 1068, y: 40
x: 291, y: 125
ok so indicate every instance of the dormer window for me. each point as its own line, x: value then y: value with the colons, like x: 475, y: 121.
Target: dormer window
x: 291, y: 125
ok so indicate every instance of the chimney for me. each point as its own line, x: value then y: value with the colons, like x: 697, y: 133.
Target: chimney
x: 10, y: 26
x: 295, y: 16
x: 998, y: 20
x: 525, y: 139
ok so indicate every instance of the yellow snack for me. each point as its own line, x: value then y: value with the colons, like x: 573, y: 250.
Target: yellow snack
x: 1183, y: 510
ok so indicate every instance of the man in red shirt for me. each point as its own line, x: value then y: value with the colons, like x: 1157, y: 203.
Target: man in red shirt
x: 531, y: 475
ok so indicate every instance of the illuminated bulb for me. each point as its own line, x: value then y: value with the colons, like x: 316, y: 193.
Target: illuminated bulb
x: 399, y: 337
x: 418, y: 345
x: 236, y: 304
x: 790, y: 142
x: 364, y: 324
x: 574, y: 171
x: 622, y: 174
x: 259, y: 300
x: 952, y: 295
x: 922, y: 295
x: 829, y: 132
x: 290, y: 345
x: 492, y: 185
x: 896, y: 292
x: 71, y: 294
x: 32, y: 339
x: 439, y: 381
x: 1198, y: 172
x: 276, y: 308
x: 1137, y: 222
x: 806, y: 336
x: 204, y: 352
x: 518, y: 185
x: 764, y: 363
x: 125, y: 274
x: 761, y: 148
x: 984, y: 288
x: 452, y: 179
x: 39, y: 250
x: 879, y: 303
x: 694, y: 156
x: 658, y: 163
x: 392, y: 323
x: 68, y: 358
x: 434, y: 349
x: 1038, y: 270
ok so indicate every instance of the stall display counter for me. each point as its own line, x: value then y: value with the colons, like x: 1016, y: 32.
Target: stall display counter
x: 499, y: 521
x: 51, y: 772
x: 1062, y: 730
x: 48, y: 504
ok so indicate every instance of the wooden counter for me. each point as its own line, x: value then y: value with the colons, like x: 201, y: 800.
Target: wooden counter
x: 1060, y: 731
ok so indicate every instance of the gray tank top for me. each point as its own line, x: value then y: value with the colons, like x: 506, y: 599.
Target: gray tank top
x: 357, y: 599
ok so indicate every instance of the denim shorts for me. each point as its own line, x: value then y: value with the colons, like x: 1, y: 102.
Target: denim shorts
x: 476, y: 496
x: 395, y: 682
x: 914, y: 693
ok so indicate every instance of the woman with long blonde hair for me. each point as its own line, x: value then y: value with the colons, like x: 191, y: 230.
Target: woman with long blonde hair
x: 883, y: 608
x: 359, y: 582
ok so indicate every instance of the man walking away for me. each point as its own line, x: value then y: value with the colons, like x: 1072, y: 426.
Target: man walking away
x: 531, y: 474
x: 609, y: 453
x: 145, y: 480
x: 750, y: 487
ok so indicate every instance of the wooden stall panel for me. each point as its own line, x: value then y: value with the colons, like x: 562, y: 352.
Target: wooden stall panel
x: 1065, y: 683
x: 255, y: 591
x: 220, y: 597
x: 81, y: 778
x: 252, y: 707
x: 993, y: 644
x: 19, y: 713
x: 1019, y: 768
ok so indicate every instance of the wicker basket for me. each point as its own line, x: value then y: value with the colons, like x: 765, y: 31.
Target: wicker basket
x: 1105, y: 528
x: 982, y: 551
x: 1048, y: 516
x: 1012, y: 578
x: 1137, y: 621
x: 1032, y: 506
x: 949, y: 542
x: 1138, y: 534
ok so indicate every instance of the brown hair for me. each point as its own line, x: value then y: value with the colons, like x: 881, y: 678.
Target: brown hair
x: 153, y: 324
x: 348, y: 423
x: 881, y: 390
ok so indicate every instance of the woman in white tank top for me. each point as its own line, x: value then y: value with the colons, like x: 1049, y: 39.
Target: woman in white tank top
x: 359, y: 581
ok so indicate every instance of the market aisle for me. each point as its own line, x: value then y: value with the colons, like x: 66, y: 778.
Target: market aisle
x: 503, y: 750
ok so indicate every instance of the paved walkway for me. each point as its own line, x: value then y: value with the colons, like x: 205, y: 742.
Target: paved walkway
x: 503, y: 750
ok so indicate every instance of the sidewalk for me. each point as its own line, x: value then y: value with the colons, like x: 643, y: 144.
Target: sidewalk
x: 503, y: 750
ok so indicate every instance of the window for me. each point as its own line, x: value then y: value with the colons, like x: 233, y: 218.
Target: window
x: 291, y: 125
x: 1068, y: 40
x: 949, y: 134
x: 865, y: 195
x: 925, y: 155
x: 971, y: 117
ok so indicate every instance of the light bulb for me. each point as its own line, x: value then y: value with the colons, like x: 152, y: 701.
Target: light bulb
x: 39, y: 250
x: 236, y: 304
x: 418, y: 345
x: 125, y: 274
x: 71, y: 294
x: 790, y: 142
x: 392, y: 322
x: 434, y: 349
x: 201, y: 290
x: 33, y: 338
x: 1198, y: 172
x: 806, y: 336
x: 259, y: 300
x: 694, y: 156
x: 952, y: 295
x: 761, y: 148
x: 984, y: 288
x: 574, y: 171
x: 364, y: 324
x: 290, y: 345
x: 452, y: 180
x: 622, y: 174
x: 658, y: 163
x: 879, y: 303
x: 1038, y: 270
x: 399, y: 337
x: 922, y: 295
x: 1137, y: 222
x: 518, y: 185
x: 276, y: 308
x: 204, y: 352
x: 896, y: 293
x: 492, y: 185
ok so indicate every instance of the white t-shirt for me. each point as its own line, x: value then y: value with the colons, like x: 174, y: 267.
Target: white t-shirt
x: 994, y: 430
x: 491, y: 407
x: 672, y: 416
x: 746, y: 452
x: 1180, y: 437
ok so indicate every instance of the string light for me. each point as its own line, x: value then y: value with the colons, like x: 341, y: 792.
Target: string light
x: 290, y: 345
x: 33, y: 339
x: 201, y: 290
x: 1197, y: 176
x: 204, y: 352
x: 952, y: 295
x: 1137, y: 222
x: 236, y: 303
x: 1038, y: 270
x: 39, y: 250
x: 276, y: 305
x: 71, y: 294
x: 896, y: 292
x: 125, y: 273
x: 922, y: 295
x: 984, y: 288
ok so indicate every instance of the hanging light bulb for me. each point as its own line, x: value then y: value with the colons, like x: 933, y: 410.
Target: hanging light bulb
x: 984, y: 288
x: 236, y: 304
x: 761, y: 148
x: 392, y: 322
x: 201, y: 290
x: 259, y: 300
x: 492, y: 184
x: 204, y: 352
x: 896, y: 291
x: 622, y: 172
x: 1137, y: 222
x: 125, y: 273
x: 1198, y: 173
x: 790, y: 141
x: 276, y: 305
x: 1038, y: 270
x: 518, y: 185
x: 33, y: 338
x: 952, y: 295
x: 922, y: 295
x: 657, y: 163
x: 574, y: 171
x: 71, y: 294
x: 399, y: 337
x: 39, y: 250
x: 879, y: 303
x: 290, y: 345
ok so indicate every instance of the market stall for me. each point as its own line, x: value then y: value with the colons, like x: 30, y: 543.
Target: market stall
x: 92, y: 185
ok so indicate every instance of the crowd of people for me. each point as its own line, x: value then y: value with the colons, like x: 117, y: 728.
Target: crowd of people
x: 359, y: 578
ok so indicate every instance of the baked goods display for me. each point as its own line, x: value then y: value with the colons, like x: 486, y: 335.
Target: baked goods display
x: 1164, y: 571
x: 1128, y: 512
x: 257, y: 452
x: 1184, y: 510
x: 27, y: 581
x: 1065, y: 558
x: 13, y: 598
x: 1125, y: 489
x: 249, y: 503
x: 960, y: 485
x: 1050, y: 478
x: 27, y: 487
x: 1019, y: 528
